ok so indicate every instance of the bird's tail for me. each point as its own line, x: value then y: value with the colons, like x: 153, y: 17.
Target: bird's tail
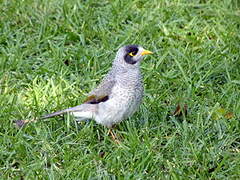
x: 81, y: 112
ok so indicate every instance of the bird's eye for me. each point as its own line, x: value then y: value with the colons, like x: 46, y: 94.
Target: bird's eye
x: 132, y: 53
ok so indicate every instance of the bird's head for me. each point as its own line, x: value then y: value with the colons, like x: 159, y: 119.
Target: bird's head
x: 130, y: 55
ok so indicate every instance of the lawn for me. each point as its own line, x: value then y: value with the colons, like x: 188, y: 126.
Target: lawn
x: 53, y: 52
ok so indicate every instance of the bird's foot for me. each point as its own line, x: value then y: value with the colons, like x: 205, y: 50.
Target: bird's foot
x: 114, y: 136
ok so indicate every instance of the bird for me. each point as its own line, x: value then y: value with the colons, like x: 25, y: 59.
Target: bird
x: 118, y: 95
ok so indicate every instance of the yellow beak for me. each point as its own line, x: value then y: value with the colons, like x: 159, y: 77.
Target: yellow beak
x: 145, y: 52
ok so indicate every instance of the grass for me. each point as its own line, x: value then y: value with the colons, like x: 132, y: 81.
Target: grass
x: 53, y: 52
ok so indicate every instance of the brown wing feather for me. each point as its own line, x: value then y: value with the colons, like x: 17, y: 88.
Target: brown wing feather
x: 95, y: 100
x: 89, y: 98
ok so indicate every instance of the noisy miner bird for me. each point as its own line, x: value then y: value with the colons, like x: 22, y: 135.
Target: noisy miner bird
x: 118, y: 95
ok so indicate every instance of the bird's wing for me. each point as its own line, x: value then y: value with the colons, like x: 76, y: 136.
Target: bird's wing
x: 98, y: 95
x: 103, y: 92
x: 93, y: 99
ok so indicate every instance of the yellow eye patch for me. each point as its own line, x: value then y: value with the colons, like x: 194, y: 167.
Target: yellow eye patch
x: 132, y: 54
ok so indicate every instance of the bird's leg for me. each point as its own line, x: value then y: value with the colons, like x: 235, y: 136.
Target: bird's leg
x: 114, y: 136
